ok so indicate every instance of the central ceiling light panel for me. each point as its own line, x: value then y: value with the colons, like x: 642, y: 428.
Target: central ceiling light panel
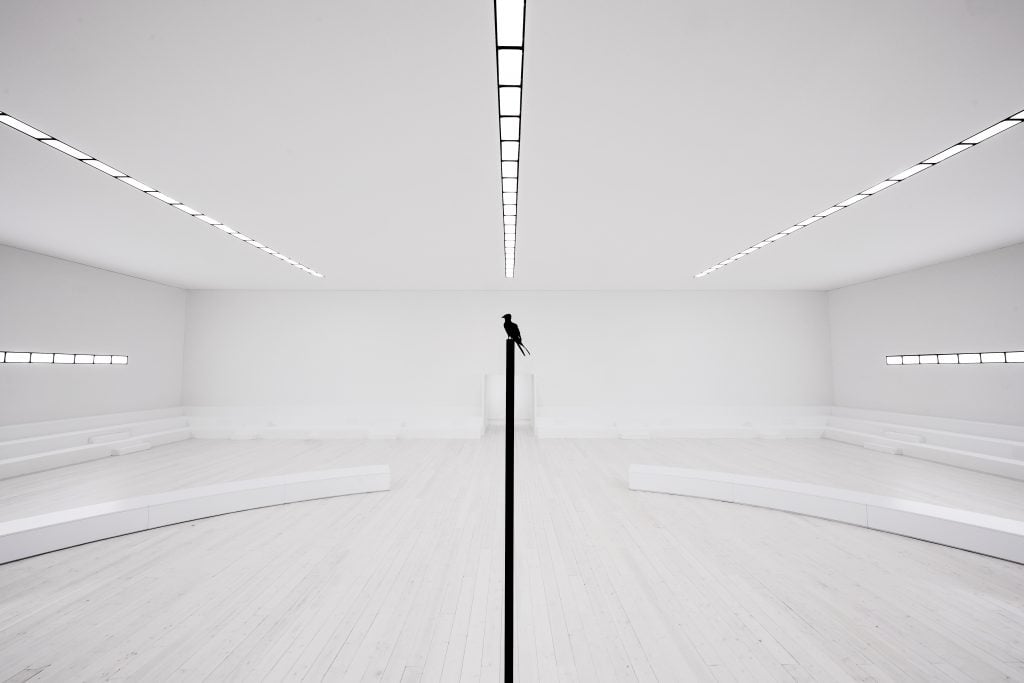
x: 1005, y: 124
x: 49, y: 140
x: 509, y: 30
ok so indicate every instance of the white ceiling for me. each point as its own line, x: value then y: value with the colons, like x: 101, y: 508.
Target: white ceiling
x: 659, y: 137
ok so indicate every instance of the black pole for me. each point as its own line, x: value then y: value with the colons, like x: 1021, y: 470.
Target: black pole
x: 510, y: 425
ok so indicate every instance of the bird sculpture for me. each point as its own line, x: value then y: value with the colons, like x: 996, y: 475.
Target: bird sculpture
x: 512, y: 330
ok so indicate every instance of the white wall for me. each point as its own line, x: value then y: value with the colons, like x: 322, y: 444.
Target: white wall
x: 970, y: 304
x: 379, y: 352
x: 47, y: 304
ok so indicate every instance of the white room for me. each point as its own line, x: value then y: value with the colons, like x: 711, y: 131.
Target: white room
x: 755, y: 410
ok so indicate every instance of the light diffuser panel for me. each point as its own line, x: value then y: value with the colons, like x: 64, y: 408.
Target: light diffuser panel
x: 510, y: 67
x: 67, y: 149
x: 942, y: 156
x: 948, y: 153
x: 509, y: 19
x: 509, y: 127
x: 139, y: 186
x: 510, y: 151
x: 100, y: 166
x: 991, y: 130
x: 913, y: 170
x: 22, y: 126
x: 508, y: 101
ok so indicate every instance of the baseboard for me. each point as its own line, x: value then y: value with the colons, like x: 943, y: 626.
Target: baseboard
x: 671, y: 422
x: 331, y: 422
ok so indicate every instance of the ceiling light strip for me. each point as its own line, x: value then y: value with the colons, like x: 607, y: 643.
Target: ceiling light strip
x: 509, y: 33
x: 977, y: 138
x: 49, y: 358
x: 973, y: 358
x: 51, y: 141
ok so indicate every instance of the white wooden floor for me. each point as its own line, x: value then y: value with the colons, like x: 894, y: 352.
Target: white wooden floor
x: 610, y: 584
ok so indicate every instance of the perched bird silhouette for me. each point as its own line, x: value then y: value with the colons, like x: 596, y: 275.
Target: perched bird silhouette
x: 512, y: 330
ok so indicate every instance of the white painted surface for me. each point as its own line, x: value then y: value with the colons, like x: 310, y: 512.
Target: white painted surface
x: 610, y: 585
x: 725, y: 127
x: 28, y: 536
x: 972, y: 303
x: 494, y: 398
x: 330, y: 356
x: 987, y: 534
x: 51, y: 305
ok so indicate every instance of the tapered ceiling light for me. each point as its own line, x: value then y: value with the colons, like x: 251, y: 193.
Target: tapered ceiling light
x: 46, y: 139
x: 509, y: 32
x: 1005, y: 124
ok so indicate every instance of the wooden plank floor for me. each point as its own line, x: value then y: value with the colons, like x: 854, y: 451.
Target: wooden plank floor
x: 611, y: 585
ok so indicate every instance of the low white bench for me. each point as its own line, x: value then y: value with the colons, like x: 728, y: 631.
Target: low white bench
x: 986, y: 534
x: 28, y: 536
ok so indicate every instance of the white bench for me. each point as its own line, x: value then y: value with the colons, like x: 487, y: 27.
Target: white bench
x: 986, y: 534
x: 28, y: 536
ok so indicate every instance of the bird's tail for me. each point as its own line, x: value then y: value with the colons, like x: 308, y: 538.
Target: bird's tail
x: 522, y: 348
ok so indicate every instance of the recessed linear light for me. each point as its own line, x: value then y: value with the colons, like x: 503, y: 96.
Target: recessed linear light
x: 984, y: 357
x: 1005, y: 124
x: 48, y: 358
x: 49, y: 140
x: 509, y: 33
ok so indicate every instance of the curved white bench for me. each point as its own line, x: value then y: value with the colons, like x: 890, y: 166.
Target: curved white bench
x: 20, y: 538
x: 986, y: 534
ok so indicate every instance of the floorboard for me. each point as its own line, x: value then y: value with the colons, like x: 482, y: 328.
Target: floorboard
x: 611, y: 584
